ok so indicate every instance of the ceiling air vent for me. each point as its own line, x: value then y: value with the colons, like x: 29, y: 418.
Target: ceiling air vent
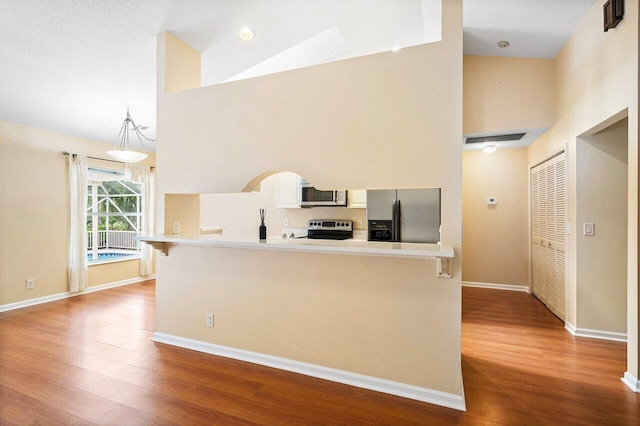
x: 495, y: 138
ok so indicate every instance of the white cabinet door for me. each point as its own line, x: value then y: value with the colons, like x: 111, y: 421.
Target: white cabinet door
x: 357, y: 198
x: 287, y: 190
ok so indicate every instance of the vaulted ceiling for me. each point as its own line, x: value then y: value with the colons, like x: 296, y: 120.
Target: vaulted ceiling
x: 74, y: 66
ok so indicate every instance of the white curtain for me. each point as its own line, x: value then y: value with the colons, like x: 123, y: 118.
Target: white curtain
x: 78, y: 223
x: 146, y: 177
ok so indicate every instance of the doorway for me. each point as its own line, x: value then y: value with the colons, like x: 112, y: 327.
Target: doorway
x: 601, y: 232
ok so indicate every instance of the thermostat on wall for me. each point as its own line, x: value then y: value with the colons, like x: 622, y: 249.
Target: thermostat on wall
x: 492, y: 201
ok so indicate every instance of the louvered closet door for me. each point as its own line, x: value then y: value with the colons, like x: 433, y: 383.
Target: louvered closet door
x: 536, y: 248
x: 560, y: 238
x: 548, y: 221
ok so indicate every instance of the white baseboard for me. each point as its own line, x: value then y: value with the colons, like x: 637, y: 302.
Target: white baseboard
x: 631, y: 381
x: 509, y: 287
x: 68, y: 294
x: 367, y: 382
x: 595, y: 334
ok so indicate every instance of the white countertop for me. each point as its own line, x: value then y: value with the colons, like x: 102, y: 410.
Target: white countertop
x: 354, y: 247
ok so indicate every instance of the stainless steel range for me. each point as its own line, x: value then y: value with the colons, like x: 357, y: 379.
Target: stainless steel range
x: 330, y: 229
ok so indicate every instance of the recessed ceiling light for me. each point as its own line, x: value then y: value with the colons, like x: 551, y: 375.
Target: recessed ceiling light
x: 489, y: 149
x: 502, y: 44
x: 395, y: 48
x: 246, y: 34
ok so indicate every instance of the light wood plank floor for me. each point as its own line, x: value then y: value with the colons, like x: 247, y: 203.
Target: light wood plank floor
x: 89, y: 360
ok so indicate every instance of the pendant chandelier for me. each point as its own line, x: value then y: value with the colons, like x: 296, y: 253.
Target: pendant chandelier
x: 121, y: 151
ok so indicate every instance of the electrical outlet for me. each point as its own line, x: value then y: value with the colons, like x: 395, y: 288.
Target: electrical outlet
x: 176, y: 226
x: 360, y: 224
x: 285, y: 222
x: 209, y: 320
x: 31, y: 283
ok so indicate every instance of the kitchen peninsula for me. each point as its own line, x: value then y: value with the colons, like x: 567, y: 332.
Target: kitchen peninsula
x: 329, y: 309
x: 354, y: 247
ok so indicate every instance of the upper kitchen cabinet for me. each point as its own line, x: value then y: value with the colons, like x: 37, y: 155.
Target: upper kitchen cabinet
x: 288, y: 190
x: 357, y: 198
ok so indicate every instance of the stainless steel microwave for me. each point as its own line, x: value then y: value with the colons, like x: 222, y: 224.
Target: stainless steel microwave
x: 312, y: 197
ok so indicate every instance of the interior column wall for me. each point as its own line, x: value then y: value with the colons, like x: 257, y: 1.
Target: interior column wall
x: 389, y: 120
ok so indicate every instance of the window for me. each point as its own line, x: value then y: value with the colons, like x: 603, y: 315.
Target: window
x: 113, y: 219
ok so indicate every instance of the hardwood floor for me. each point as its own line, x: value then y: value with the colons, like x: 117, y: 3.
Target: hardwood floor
x: 90, y: 360
x: 520, y: 366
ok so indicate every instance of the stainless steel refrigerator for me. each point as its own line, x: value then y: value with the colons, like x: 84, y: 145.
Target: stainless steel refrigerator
x: 404, y: 215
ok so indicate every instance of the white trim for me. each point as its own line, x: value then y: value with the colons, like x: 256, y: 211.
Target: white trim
x: 595, y: 334
x: 509, y: 287
x: 359, y: 380
x: 631, y: 381
x: 68, y: 294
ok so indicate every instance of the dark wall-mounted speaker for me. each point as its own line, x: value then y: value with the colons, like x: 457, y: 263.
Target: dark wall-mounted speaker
x: 613, y: 12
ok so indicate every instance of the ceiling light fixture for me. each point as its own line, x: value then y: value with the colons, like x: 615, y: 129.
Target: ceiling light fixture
x: 120, y: 151
x: 246, y: 34
x: 395, y: 48
x: 502, y: 44
x: 489, y: 149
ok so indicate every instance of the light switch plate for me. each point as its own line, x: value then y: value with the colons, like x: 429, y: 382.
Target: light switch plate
x: 589, y: 229
x: 492, y: 201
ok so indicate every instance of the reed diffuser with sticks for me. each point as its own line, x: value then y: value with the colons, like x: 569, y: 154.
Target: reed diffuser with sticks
x: 263, y: 227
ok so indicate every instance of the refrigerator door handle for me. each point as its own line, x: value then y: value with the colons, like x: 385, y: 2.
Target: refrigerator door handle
x: 395, y: 225
x: 399, y: 221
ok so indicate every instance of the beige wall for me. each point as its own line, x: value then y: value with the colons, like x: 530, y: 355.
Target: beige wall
x: 597, y: 85
x: 181, y: 71
x: 358, y: 108
x: 106, y: 273
x: 239, y: 212
x: 184, y: 208
x: 507, y: 94
x: 220, y: 138
x: 496, y: 248
x: 34, y: 213
x: 602, y: 168
x: 501, y: 95
x: 363, y: 321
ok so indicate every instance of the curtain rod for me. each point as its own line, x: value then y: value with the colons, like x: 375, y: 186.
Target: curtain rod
x: 93, y: 158
x: 101, y: 159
